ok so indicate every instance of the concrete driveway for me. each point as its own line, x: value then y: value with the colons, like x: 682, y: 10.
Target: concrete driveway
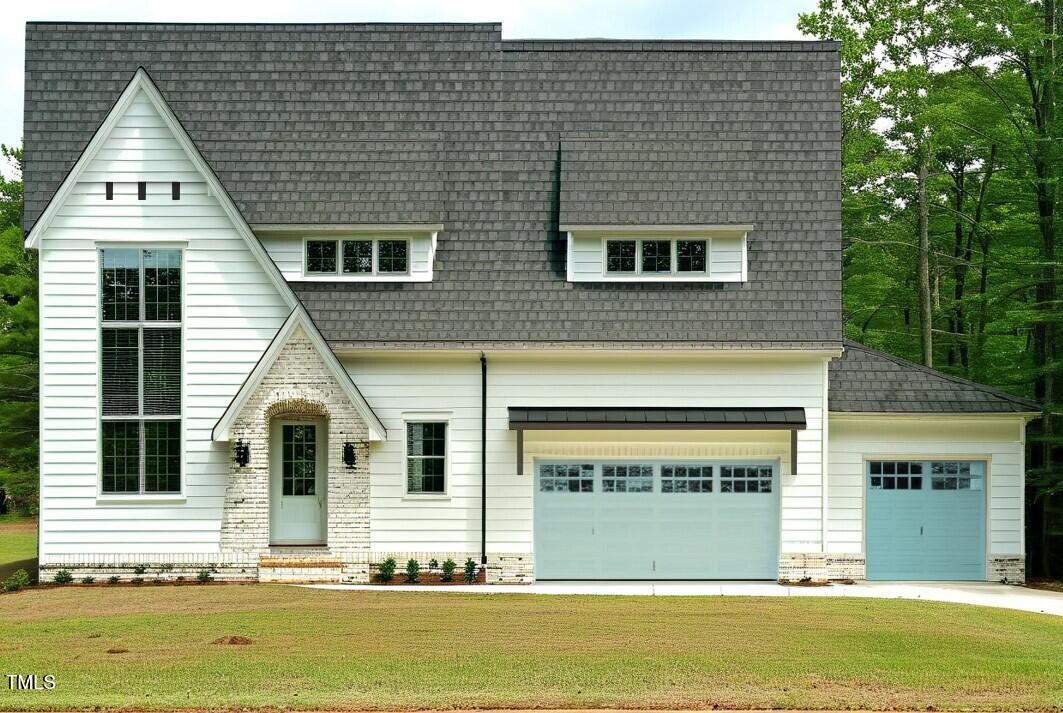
x: 980, y: 593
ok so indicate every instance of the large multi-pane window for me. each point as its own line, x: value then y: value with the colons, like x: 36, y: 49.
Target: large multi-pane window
x: 426, y: 457
x: 140, y: 365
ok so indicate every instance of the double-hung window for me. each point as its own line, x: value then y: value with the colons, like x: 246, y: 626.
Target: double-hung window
x: 656, y: 257
x: 358, y: 257
x: 426, y: 457
x: 140, y: 366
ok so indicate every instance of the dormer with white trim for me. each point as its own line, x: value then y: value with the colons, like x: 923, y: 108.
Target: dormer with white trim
x: 669, y: 253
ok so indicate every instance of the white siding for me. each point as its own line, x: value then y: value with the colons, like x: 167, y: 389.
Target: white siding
x: 587, y: 260
x: 997, y: 440
x: 231, y: 312
x: 287, y: 254
x: 450, y: 387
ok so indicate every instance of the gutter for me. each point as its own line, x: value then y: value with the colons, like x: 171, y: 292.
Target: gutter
x: 483, y: 458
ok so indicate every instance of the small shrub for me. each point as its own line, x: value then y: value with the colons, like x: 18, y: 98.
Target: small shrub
x: 470, y: 571
x: 137, y: 580
x: 204, y: 576
x: 413, y: 568
x: 179, y: 578
x: 385, y: 571
x: 164, y: 568
x: 113, y: 579
x: 140, y: 569
x: 88, y: 580
x: 448, y: 570
x: 19, y: 579
x: 433, y: 564
x: 63, y: 577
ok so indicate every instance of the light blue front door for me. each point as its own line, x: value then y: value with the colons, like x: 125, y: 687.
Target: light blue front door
x: 664, y: 519
x: 926, y: 520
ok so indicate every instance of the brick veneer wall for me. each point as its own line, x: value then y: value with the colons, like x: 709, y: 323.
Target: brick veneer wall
x: 1010, y: 569
x: 299, y: 385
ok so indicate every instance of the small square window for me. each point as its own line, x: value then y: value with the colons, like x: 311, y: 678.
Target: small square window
x: 690, y: 255
x: 321, y: 256
x: 357, y: 256
x: 392, y: 256
x: 656, y: 255
x: 620, y: 256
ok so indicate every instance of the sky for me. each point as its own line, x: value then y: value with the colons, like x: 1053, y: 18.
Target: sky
x: 648, y: 19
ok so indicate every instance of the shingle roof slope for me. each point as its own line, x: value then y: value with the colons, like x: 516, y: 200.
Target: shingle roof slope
x: 497, y: 140
x: 864, y: 380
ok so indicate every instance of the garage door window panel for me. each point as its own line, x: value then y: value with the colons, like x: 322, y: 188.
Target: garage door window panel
x: 745, y: 479
x: 627, y: 478
x: 686, y: 478
x: 566, y: 478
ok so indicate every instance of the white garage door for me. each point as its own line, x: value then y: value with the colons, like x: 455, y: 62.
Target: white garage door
x: 669, y: 519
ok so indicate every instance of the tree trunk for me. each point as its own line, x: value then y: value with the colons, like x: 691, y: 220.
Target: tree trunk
x: 1046, y: 386
x: 977, y: 358
x: 957, y: 347
x: 926, y: 334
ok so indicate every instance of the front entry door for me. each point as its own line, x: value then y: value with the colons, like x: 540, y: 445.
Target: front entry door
x: 298, y: 482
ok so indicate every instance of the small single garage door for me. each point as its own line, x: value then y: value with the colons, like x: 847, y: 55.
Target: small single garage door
x: 926, y: 520
x: 656, y: 520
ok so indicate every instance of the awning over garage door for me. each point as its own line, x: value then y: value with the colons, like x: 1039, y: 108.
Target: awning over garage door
x: 567, y: 418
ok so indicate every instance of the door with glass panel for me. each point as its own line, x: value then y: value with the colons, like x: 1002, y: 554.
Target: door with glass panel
x: 926, y: 520
x: 298, y: 482
x: 656, y: 519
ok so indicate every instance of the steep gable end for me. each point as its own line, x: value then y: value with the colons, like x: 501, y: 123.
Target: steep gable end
x: 141, y: 141
x: 331, y: 377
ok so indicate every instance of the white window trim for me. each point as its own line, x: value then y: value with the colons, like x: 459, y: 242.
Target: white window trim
x: 443, y: 417
x: 375, y: 275
x: 141, y: 498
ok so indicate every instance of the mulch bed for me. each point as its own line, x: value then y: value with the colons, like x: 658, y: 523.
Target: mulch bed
x: 1054, y: 585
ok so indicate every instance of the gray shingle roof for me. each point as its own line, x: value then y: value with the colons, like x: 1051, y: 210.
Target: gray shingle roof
x: 497, y: 140
x: 868, y: 381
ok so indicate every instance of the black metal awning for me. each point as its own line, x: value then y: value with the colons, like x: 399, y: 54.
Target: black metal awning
x: 553, y: 418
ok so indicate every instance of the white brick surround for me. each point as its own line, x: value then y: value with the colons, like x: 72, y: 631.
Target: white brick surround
x: 299, y: 385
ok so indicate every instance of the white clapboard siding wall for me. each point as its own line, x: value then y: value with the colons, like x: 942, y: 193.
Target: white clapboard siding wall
x: 449, y: 388
x: 852, y: 441
x: 287, y: 254
x: 588, y: 260
x: 231, y: 312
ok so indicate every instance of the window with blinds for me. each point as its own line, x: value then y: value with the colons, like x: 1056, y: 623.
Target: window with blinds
x: 140, y: 365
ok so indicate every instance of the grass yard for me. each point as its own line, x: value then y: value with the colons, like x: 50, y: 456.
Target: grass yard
x: 18, y: 543
x: 329, y: 649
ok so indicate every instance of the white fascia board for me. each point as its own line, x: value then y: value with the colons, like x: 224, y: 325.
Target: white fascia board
x: 141, y: 81
x: 298, y: 318
x: 722, y: 230
x: 345, y: 228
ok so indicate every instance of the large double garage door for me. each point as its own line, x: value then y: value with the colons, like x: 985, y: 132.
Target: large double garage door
x: 926, y: 520
x: 667, y: 519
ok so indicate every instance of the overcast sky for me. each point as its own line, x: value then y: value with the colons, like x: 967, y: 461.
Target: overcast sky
x: 666, y: 19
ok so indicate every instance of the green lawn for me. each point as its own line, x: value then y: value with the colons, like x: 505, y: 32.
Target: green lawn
x: 329, y: 649
x: 18, y: 542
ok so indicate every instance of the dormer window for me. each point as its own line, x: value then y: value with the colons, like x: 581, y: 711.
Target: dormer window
x: 360, y: 257
x: 656, y: 257
x: 693, y: 253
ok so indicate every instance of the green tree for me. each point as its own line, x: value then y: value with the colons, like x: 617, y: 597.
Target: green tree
x: 18, y: 347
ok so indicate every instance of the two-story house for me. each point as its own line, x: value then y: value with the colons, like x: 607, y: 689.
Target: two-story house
x: 317, y: 295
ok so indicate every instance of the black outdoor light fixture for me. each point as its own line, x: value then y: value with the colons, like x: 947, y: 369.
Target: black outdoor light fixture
x: 350, y: 456
x: 241, y: 453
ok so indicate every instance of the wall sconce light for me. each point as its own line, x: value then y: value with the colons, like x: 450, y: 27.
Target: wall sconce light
x: 350, y: 456
x: 241, y: 453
